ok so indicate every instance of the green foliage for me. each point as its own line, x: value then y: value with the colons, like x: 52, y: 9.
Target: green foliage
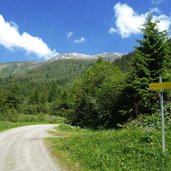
x: 123, y: 62
x: 66, y: 127
x: 41, y: 118
x: 22, y: 118
x: 152, y: 122
x: 13, y: 97
x: 31, y: 97
x: 97, y: 96
x: 39, y: 89
x: 149, y: 62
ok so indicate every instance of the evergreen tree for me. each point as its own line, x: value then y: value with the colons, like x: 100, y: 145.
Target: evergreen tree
x: 123, y: 62
x: 150, y: 61
x: 34, y: 97
x: 13, y: 97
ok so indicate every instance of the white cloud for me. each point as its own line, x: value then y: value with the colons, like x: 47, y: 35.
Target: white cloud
x: 11, y: 38
x: 155, y: 10
x: 69, y: 34
x: 112, y: 30
x: 128, y: 21
x: 156, y: 2
x: 165, y: 22
x: 80, y: 40
x: 75, y: 39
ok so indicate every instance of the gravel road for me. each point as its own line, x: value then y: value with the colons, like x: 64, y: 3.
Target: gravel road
x: 22, y: 149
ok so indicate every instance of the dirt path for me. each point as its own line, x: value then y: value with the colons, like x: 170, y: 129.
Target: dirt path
x: 22, y: 149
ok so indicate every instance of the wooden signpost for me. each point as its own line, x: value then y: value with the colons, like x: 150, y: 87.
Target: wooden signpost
x: 161, y: 86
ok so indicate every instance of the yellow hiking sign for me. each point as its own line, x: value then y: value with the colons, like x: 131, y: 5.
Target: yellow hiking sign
x: 160, y: 86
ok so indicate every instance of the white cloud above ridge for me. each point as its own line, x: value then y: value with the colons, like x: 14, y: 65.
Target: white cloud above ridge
x: 70, y: 34
x: 128, y: 21
x: 155, y: 10
x: 10, y: 38
x: 156, y: 2
x: 112, y: 30
x: 80, y: 40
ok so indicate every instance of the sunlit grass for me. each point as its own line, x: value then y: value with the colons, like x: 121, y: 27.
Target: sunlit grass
x: 126, y: 149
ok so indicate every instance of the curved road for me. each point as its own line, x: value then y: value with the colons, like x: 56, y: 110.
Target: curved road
x: 22, y: 149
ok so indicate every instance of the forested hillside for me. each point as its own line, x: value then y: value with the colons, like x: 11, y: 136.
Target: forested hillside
x: 40, y: 90
x: 14, y: 68
x: 62, y: 70
x: 123, y: 62
x: 50, y: 70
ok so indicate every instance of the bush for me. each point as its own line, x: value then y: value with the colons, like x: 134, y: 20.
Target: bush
x: 9, y: 115
x: 151, y: 121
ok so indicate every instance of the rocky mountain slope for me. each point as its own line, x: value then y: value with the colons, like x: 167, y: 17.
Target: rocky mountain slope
x: 107, y: 56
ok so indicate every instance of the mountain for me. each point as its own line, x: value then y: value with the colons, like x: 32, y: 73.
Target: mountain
x: 106, y: 56
x: 109, y: 56
x: 55, y: 65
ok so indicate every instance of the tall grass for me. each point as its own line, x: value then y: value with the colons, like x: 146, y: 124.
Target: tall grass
x: 110, y: 150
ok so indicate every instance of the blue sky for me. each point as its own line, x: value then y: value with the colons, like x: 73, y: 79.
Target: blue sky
x: 39, y: 29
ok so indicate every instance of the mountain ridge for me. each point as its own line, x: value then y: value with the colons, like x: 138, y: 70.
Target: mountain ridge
x: 73, y: 59
x: 73, y: 55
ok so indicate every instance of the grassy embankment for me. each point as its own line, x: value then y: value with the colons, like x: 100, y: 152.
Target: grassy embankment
x: 23, y: 120
x: 137, y: 146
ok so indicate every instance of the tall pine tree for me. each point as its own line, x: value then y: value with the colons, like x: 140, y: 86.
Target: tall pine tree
x: 150, y: 61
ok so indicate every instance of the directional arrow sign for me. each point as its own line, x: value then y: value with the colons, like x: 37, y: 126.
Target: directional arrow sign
x: 160, y: 86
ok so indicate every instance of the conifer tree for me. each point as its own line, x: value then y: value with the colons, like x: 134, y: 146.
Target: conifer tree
x: 150, y: 61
